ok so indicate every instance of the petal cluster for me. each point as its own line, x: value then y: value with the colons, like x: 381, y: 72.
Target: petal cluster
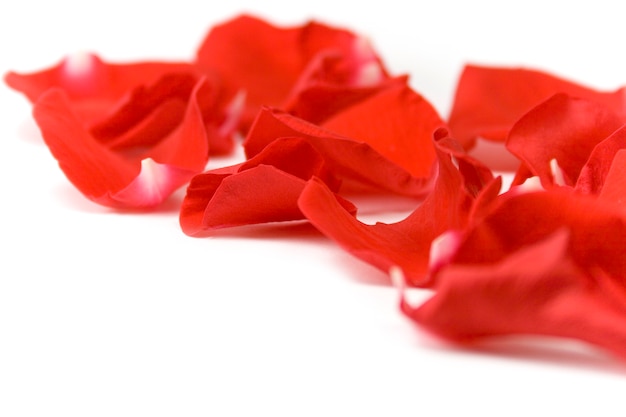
x: 322, y: 122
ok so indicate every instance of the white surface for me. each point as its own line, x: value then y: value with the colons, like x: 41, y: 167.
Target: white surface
x: 105, y: 314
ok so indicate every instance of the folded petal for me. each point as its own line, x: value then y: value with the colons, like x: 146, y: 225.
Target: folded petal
x: 273, y: 63
x: 562, y: 129
x: 91, y: 84
x: 539, y: 289
x: 406, y: 243
x: 264, y: 189
x: 384, y: 141
x: 140, y: 176
x: 597, y: 230
x: 321, y: 100
x: 488, y: 101
x: 602, y: 162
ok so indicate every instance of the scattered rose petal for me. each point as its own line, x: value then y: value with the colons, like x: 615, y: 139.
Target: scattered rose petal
x: 407, y: 243
x: 92, y: 85
x: 383, y: 141
x: 562, y: 129
x: 263, y: 189
x: 131, y: 174
x: 488, y: 101
x: 275, y: 64
x: 538, y: 289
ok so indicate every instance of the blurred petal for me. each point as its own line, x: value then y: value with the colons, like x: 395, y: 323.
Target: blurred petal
x: 92, y: 85
x: 272, y: 63
x: 539, y: 289
x: 488, y: 101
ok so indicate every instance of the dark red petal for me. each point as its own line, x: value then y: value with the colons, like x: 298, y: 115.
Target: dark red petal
x: 406, y: 243
x: 538, y: 290
x: 563, y: 129
x: 489, y: 101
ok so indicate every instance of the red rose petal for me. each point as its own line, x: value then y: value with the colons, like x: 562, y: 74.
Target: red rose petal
x: 92, y: 85
x: 374, y: 145
x: 398, y: 123
x: 272, y: 63
x: 539, y: 290
x: 563, y: 129
x: 261, y: 190
x: 139, y: 179
x: 614, y: 186
x: 596, y: 229
x: 488, y: 101
x: 319, y: 101
x: 408, y: 242
x: 600, y: 163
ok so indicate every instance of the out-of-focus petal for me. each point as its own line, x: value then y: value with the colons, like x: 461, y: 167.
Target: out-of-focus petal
x: 272, y: 64
x: 488, y: 101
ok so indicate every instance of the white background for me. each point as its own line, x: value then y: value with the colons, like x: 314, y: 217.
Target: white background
x: 108, y: 314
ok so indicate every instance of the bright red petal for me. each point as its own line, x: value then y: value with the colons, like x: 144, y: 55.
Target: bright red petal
x: 601, y: 162
x: 596, y: 229
x: 562, y: 129
x: 137, y: 178
x: 351, y: 159
x: 489, y: 101
x: 264, y: 189
x: 273, y: 63
x: 539, y: 289
x: 408, y: 242
x: 320, y: 101
x: 398, y: 123
x: 92, y: 85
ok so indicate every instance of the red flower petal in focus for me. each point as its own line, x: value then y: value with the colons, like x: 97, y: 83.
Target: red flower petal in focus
x: 273, y: 64
x: 320, y: 101
x: 263, y: 189
x: 128, y: 173
x: 597, y: 230
x: 489, y: 101
x: 408, y: 242
x: 539, y: 289
x: 602, y: 168
x: 544, y: 263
